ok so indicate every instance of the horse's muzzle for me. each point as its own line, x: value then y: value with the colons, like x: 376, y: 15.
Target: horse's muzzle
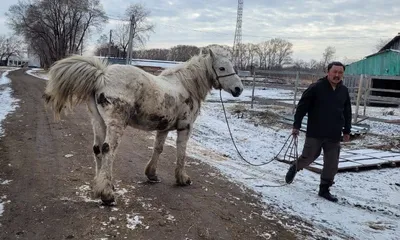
x: 237, y: 92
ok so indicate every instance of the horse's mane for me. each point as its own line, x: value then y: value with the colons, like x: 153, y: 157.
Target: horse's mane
x: 195, y: 75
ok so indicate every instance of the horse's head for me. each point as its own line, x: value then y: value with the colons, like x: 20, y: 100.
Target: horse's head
x: 225, y: 76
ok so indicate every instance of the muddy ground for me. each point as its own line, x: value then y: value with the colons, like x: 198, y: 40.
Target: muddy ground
x: 51, y: 169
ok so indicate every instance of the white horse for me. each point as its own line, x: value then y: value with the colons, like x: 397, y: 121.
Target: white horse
x: 118, y: 96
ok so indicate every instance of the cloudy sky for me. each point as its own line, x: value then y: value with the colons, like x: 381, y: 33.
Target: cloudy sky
x: 353, y: 27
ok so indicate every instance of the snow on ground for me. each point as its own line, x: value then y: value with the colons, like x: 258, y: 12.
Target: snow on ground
x: 38, y: 73
x: 272, y: 93
x: 369, y: 205
x: 9, y: 104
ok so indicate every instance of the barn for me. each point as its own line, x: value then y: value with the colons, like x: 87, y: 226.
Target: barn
x: 383, y: 70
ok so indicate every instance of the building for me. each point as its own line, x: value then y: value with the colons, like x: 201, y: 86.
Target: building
x: 383, y: 68
x: 152, y: 66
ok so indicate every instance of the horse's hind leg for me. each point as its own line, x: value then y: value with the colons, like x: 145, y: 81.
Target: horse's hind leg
x: 181, y: 177
x: 99, y: 133
x: 151, y: 167
x: 104, y: 187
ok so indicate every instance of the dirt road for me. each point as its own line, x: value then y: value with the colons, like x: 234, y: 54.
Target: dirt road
x: 51, y: 168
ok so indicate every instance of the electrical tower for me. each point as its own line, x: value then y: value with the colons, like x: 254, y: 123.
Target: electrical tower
x: 238, y: 36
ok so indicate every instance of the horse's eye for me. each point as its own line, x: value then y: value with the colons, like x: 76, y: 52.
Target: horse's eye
x: 222, y: 69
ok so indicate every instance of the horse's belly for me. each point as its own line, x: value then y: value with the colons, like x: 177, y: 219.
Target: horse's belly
x: 152, y: 122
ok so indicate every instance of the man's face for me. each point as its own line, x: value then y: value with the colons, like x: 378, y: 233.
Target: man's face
x: 335, y: 74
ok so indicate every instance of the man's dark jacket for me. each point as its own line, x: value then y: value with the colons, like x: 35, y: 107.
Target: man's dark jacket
x: 329, y: 111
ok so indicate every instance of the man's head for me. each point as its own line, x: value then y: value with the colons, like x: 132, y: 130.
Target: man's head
x: 335, y: 72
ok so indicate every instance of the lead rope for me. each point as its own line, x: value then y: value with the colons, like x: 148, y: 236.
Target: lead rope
x: 291, y: 150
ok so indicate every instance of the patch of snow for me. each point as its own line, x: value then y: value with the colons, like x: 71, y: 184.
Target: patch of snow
x: 133, y: 220
x: 5, y: 182
x: 38, y: 73
x: 261, y: 92
x: 8, y: 103
x: 369, y: 199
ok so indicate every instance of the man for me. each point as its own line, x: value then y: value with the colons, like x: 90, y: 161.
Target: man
x: 327, y: 103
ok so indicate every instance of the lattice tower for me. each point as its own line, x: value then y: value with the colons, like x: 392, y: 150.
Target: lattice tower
x: 238, y: 35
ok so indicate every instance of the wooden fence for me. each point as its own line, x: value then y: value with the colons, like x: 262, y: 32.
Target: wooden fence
x: 360, y: 87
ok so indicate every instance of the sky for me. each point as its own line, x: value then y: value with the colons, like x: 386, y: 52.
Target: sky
x: 353, y: 27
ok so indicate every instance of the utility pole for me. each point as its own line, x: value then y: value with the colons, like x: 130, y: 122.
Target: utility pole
x: 131, y: 32
x: 109, y: 44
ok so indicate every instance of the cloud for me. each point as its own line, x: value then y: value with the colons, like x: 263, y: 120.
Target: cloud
x: 353, y: 27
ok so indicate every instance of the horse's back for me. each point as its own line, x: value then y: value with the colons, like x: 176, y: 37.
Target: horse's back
x: 153, y: 102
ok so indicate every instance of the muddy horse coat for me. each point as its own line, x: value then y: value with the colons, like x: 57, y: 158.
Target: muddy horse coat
x: 118, y: 96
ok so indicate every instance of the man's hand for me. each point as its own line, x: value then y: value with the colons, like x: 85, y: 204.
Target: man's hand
x: 295, y: 132
x: 346, y: 137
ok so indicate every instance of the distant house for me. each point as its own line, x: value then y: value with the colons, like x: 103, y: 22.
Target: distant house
x: 25, y: 58
x: 152, y: 66
x: 383, y: 67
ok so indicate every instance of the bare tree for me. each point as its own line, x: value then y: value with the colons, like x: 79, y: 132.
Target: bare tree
x: 263, y: 51
x: 300, y: 64
x: 55, y: 29
x: 313, y: 64
x: 10, y: 46
x: 381, y: 43
x: 283, y: 52
x: 183, y: 52
x: 155, y: 53
x: 251, y: 51
x: 327, y: 56
x: 141, y: 27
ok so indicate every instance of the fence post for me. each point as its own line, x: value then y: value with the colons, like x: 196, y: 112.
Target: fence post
x: 296, y: 86
x: 358, y: 97
x: 254, y: 85
x: 366, y: 93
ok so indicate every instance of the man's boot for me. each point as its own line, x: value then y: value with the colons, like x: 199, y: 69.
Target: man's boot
x: 291, y: 173
x: 324, y: 192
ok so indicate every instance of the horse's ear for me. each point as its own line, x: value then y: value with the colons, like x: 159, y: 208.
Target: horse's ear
x: 211, y: 53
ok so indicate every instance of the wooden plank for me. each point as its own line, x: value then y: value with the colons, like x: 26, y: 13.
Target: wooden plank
x: 363, y: 151
x: 358, y: 157
x: 384, y: 90
x: 392, y: 159
x: 383, y: 154
x: 369, y: 162
x: 385, y: 77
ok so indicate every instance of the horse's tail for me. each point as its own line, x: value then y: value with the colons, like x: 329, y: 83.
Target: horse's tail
x: 73, y: 80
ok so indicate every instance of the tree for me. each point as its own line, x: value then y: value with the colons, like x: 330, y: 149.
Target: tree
x: 183, y: 53
x: 56, y: 29
x: 141, y: 27
x: 9, y: 46
x: 327, y: 56
x: 381, y: 43
x: 284, y: 52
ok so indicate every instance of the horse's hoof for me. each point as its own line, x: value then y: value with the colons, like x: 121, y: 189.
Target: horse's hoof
x: 153, y: 179
x: 107, y: 200
x: 182, y: 182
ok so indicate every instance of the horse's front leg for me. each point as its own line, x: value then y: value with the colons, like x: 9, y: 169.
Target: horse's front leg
x: 151, y: 168
x: 104, y: 187
x: 182, y: 179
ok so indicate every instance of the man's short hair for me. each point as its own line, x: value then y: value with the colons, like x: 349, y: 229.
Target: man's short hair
x: 336, y: 64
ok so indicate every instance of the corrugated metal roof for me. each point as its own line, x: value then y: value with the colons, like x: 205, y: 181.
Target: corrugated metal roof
x: 389, y: 44
x: 385, y: 63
